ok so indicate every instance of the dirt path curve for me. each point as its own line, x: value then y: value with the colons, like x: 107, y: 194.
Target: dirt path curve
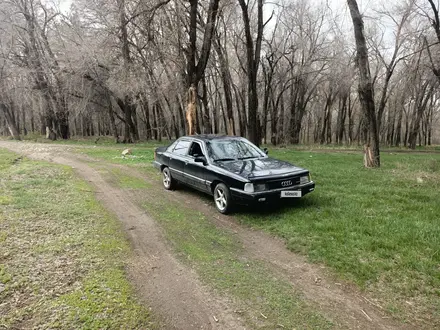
x: 163, y: 282
x: 343, y: 304
x: 184, y: 301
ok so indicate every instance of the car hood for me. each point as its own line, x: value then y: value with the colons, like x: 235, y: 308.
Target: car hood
x: 259, y: 168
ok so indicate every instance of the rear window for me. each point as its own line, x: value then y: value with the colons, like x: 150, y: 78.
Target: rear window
x: 181, y: 147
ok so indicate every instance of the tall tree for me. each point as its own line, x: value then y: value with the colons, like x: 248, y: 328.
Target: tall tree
x: 253, y: 52
x: 196, y: 69
x: 130, y: 131
x: 366, y: 92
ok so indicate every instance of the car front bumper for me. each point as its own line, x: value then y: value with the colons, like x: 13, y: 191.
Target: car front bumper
x: 241, y: 196
x: 157, y: 165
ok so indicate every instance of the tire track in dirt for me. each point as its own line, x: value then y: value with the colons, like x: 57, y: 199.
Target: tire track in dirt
x: 340, y: 302
x: 173, y: 290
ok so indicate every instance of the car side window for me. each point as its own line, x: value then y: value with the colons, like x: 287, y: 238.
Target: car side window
x: 195, y: 150
x: 181, y: 148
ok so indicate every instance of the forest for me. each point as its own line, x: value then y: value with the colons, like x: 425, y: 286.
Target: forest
x: 282, y: 72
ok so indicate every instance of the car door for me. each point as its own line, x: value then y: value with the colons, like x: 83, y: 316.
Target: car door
x: 195, y: 173
x: 179, y: 156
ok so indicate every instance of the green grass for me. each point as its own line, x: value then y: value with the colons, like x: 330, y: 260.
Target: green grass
x: 140, y: 156
x: 219, y: 259
x: 61, y: 253
x: 126, y: 181
x: 377, y: 228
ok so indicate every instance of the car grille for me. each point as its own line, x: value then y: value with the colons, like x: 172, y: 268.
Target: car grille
x: 283, y: 183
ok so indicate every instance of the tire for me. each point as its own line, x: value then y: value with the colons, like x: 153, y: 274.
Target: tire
x: 222, y: 198
x: 168, y: 182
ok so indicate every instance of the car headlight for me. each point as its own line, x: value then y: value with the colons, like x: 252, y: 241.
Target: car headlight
x: 260, y: 187
x: 249, y: 187
x: 304, y: 179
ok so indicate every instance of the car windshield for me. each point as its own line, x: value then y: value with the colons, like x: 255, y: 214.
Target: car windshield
x: 230, y: 149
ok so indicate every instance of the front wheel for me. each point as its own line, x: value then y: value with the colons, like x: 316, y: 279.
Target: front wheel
x: 222, y: 198
x: 168, y: 182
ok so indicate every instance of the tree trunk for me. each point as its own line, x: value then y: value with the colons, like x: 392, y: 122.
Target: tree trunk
x: 366, y: 95
x: 126, y: 104
x: 418, y: 114
x: 10, y: 121
x: 350, y: 121
x: 241, y: 108
x: 340, y: 126
x: 112, y: 120
x: 23, y: 116
x: 63, y: 124
x: 155, y: 122
x: 398, y: 134
x: 206, y: 111
x: 405, y: 138
x: 281, y: 132
x: 127, y: 119
x: 326, y: 132
x: 273, y: 123
x: 252, y: 65
x: 226, y: 79
x: 196, y: 71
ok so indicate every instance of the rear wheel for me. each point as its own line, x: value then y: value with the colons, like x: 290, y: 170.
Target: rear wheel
x: 168, y: 182
x: 222, y: 198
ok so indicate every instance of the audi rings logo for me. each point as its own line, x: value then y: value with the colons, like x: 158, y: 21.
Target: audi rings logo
x: 286, y: 183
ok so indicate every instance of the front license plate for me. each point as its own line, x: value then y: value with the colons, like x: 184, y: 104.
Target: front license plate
x: 290, y: 194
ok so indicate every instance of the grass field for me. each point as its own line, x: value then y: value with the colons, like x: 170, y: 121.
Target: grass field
x: 218, y: 258
x: 61, y: 254
x: 378, y: 228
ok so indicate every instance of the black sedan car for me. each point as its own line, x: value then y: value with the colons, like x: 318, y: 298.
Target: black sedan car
x: 231, y: 169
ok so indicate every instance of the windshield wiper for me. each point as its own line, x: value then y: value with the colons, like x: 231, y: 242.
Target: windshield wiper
x: 223, y: 159
x: 249, y: 157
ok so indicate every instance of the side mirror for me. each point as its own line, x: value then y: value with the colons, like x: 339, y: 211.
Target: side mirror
x: 266, y: 151
x: 201, y: 159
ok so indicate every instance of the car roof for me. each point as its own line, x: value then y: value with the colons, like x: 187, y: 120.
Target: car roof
x: 210, y: 137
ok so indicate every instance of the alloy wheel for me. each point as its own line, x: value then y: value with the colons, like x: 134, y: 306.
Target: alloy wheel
x: 166, y: 178
x: 220, y: 199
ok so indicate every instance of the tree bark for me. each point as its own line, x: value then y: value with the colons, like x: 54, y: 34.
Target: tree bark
x: 127, y: 106
x: 253, y: 52
x: 196, y: 71
x: 10, y: 121
x: 420, y: 108
x: 112, y: 120
x: 366, y: 92
x: 342, y: 114
x: 226, y: 79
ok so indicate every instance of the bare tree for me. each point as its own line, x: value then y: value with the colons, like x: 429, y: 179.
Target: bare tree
x: 196, y: 70
x: 366, y: 92
x: 253, y: 52
x: 124, y: 68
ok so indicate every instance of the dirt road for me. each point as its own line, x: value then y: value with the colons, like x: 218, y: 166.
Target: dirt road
x: 174, y: 291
